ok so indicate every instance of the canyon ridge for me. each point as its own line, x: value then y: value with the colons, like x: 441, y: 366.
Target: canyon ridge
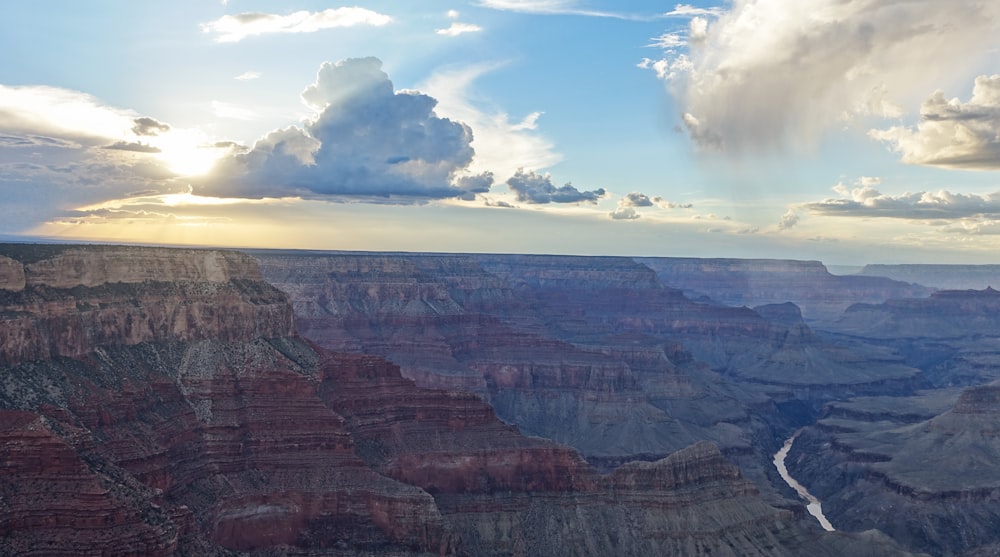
x: 161, y: 401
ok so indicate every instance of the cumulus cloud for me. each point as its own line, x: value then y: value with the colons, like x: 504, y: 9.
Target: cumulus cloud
x: 636, y: 199
x: 624, y: 213
x: 534, y: 188
x: 457, y: 28
x: 367, y: 141
x: 951, y: 133
x: 769, y: 74
x: 788, y: 220
x: 235, y: 28
x: 628, y: 203
x: 864, y: 200
x: 149, y: 126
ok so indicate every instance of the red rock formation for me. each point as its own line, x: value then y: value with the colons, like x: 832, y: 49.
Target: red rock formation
x: 182, y: 415
x: 52, y: 502
x: 443, y: 442
x: 67, y: 304
x: 213, y: 408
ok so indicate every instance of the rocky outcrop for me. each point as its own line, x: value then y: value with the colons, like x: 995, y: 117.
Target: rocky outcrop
x: 937, y: 477
x: 81, y: 298
x: 180, y: 415
x: 55, y: 503
x: 752, y: 282
x: 948, y: 314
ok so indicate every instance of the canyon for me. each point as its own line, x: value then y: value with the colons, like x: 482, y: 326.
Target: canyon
x: 165, y: 401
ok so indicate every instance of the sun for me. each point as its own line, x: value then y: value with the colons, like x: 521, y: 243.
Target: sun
x: 187, y: 152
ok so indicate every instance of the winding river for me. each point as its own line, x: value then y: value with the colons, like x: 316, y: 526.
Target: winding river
x: 814, y: 506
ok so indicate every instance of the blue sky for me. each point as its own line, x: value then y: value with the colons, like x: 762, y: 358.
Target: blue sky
x: 846, y: 131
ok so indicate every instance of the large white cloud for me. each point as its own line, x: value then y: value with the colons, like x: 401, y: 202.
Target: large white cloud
x: 368, y: 141
x: 768, y: 74
x: 235, y: 28
x: 63, y: 113
x: 864, y: 200
x: 952, y: 133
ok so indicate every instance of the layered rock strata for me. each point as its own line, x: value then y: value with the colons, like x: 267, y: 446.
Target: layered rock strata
x: 926, y: 475
x: 177, y: 412
x: 232, y: 435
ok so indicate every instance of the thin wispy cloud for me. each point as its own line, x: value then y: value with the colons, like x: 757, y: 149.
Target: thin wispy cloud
x: 235, y: 28
x: 458, y: 28
x: 553, y: 7
x: 503, y: 144
x: 248, y: 76
x: 667, y: 41
x: 232, y: 111
x: 687, y: 10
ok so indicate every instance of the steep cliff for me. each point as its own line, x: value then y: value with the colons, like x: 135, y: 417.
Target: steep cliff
x: 931, y: 460
x: 594, y: 353
x: 64, y: 301
x: 177, y: 412
x: 180, y: 413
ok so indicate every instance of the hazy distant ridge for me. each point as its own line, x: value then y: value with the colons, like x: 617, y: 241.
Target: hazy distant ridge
x: 944, y: 277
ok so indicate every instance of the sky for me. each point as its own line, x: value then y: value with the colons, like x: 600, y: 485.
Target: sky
x: 847, y: 131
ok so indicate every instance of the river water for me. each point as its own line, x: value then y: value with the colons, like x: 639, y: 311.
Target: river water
x: 814, y: 506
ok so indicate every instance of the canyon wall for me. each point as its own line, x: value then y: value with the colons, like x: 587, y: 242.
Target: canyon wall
x: 168, y: 407
x: 930, y: 457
